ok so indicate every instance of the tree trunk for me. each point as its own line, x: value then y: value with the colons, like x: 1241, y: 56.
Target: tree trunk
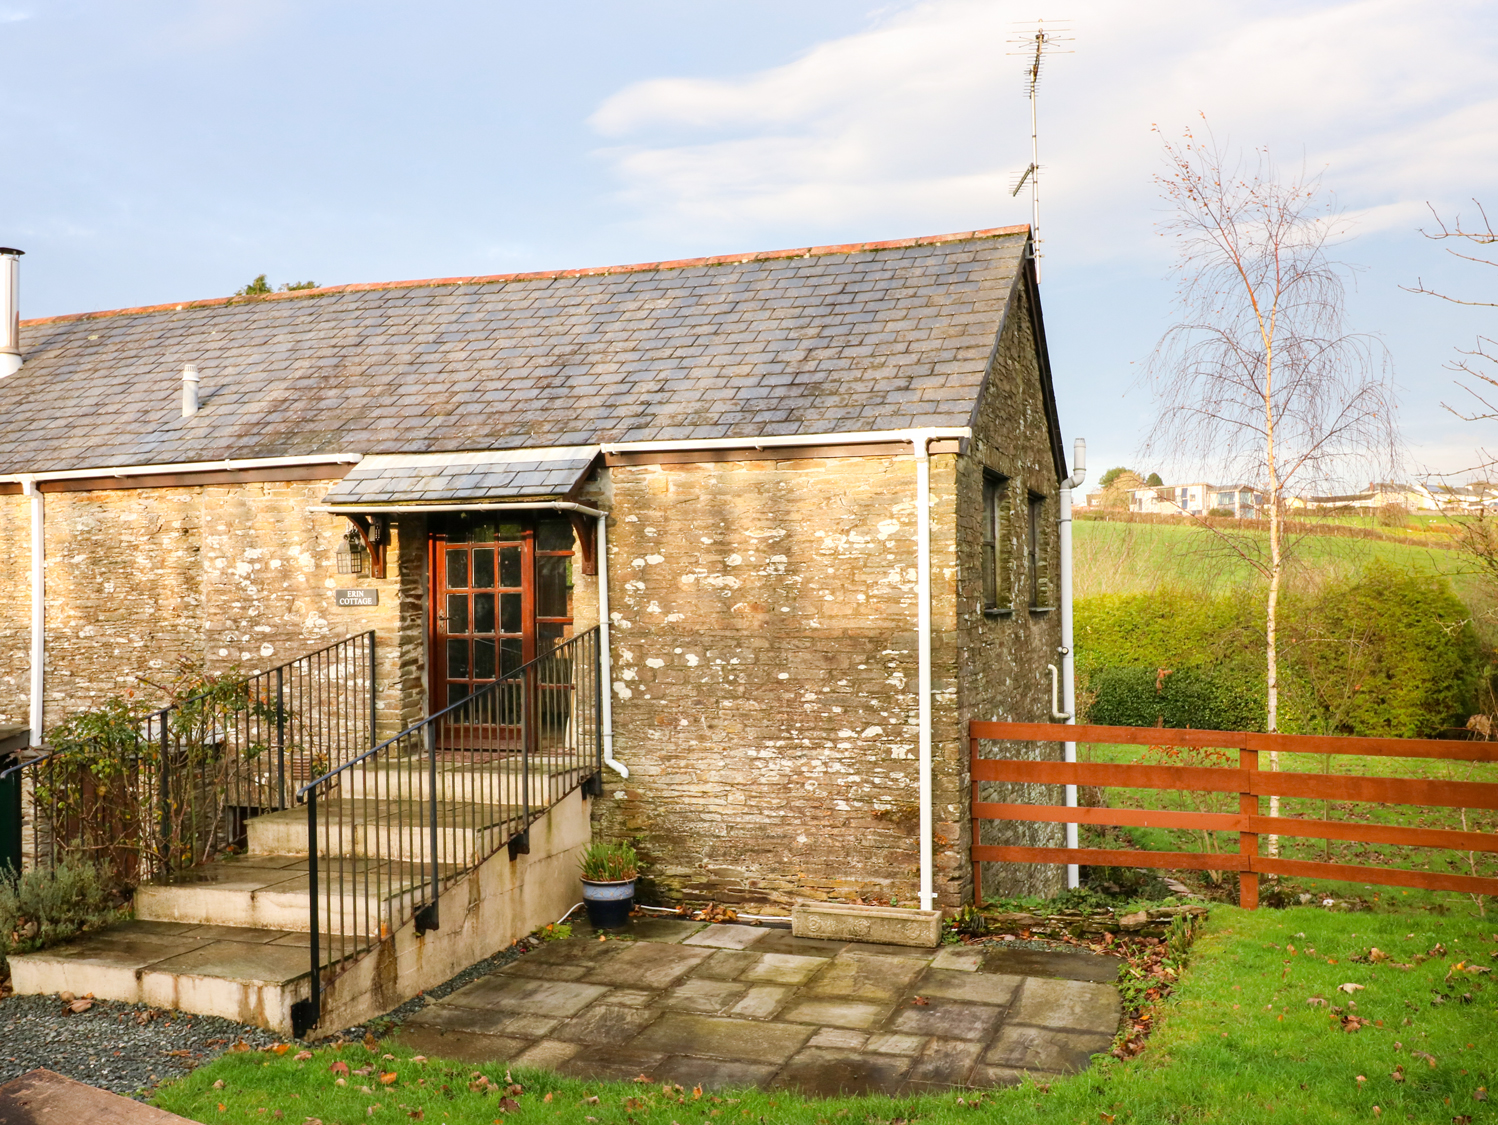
x: 1276, y: 564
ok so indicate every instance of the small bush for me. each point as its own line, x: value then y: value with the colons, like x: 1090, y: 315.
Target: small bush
x: 607, y: 863
x: 48, y: 905
x: 1191, y: 697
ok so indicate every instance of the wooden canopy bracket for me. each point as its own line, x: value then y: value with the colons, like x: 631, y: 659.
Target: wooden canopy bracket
x: 587, y: 540
x: 374, y: 531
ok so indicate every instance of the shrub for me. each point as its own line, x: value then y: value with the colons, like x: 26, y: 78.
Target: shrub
x: 51, y: 904
x: 606, y: 863
x: 1191, y: 697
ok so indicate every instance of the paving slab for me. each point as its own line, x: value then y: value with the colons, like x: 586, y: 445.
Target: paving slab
x: 603, y: 1023
x: 727, y: 964
x: 953, y: 1019
x: 784, y: 968
x: 649, y: 964
x: 239, y: 961
x: 677, y: 1033
x: 829, y: 1072
x: 981, y: 988
x: 537, y: 997
x: 726, y: 937
x: 726, y: 1006
x: 706, y: 997
x: 945, y: 1062
x: 866, y: 976
x: 43, y: 1097
x: 611, y: 1064
x: 1045, y: 1049
x: 1046, y: 963
x: 1070, y: 1005
x: 780, y: 940
x: 959, y: 958
x: 761, y: 1001
x: 713, y: 1074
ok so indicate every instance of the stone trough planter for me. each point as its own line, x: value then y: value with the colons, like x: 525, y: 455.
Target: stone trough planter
x: 880, y: 925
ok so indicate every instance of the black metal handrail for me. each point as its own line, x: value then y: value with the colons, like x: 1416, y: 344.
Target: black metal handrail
x: 180, y: 787
x: 388, y: 829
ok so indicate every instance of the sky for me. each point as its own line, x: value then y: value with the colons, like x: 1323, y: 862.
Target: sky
x: 163, y: 151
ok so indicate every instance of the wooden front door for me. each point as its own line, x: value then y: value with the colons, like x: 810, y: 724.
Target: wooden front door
x: 501, y: 594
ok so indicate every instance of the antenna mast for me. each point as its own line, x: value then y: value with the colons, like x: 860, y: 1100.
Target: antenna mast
x: 1034, y: 44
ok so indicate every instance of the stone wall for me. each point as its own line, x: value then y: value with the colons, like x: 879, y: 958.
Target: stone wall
x: 764, y: 676
x: 1004, y: 655
x: 140, y: 580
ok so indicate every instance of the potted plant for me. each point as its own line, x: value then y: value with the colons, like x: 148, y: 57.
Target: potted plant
x: 609, y: 872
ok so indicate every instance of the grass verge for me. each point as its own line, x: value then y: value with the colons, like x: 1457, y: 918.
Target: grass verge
x: 1260, y: 1029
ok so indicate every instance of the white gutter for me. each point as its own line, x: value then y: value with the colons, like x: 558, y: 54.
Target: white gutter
x: 477, y: 506
x: 1068, y: 654
x: 781, y: 441
x: 38, y: 607
x: 229, y: 464
x: 605, y: 659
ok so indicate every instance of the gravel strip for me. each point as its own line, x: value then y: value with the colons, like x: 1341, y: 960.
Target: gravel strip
x: 131, y: 1049
x: 126, y: 1048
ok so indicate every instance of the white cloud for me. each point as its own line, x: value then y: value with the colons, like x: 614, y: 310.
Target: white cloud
x: 918, y: 123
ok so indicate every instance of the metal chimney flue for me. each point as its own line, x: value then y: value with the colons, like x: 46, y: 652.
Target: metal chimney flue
x: 10, y: 310
x: 189, y: 390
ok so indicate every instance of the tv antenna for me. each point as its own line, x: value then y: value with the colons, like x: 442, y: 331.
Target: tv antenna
x: 1034, y: 43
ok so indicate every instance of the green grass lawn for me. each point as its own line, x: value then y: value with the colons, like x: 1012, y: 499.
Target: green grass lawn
x: 1128, y: 558
x: 1259, y: 1030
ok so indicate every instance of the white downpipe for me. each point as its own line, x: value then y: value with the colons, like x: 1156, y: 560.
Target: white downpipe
x: 605, y: 662
x: 1068, y: 653
x: 38, y: 607
x: 919, y: 440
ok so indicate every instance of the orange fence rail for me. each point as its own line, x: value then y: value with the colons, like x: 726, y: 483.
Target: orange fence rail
x: 1250, y: 783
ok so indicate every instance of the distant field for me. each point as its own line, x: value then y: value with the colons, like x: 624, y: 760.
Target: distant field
x: 1128, y: 558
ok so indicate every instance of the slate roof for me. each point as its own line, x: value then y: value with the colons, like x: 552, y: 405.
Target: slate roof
x: 813, y: 340
x: 430, y: 478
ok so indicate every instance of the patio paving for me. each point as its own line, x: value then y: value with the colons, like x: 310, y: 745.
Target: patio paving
x: 733, y: 1005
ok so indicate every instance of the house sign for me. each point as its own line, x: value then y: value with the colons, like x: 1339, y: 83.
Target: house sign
x: 356, y: 597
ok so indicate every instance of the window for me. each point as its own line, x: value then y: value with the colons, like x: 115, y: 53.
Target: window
x: 996, y: 598
x: 1035, y: 553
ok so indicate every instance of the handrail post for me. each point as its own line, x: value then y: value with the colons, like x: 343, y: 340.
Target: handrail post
x: 281, y: 735
x: 431, y: 741
x: 373, y: 699
x: 314, y: 1004
x: 167, y: 850
x: 1248, y: 842
x: 527, y: 733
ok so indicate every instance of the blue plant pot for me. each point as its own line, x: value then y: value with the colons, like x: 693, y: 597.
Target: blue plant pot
x: 609, y: 904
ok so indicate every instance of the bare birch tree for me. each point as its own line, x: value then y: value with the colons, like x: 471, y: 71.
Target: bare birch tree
x: 1259, y: 379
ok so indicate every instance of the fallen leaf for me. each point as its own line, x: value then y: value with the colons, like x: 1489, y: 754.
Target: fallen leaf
x: 1431, y: 1059
x: 920, y: 1001
x: 370, y: 1042
x: 590, y: 1101
x: 221, y: 1107
x: 547, y: 1098
x: 78, y: 1007
x: 509, y: 1105
x: 1316, y: 1002
x: 418, y: 1058
x: 339, y: 1067
x: 479, y: 1085
x: 388, y: 1078
x: 1350, y: 988
x: 1377, y: 954
x: 1480, y: 1094
x: 696, y: 1091
x: 280, y: 1048
x: 340, y: 1081
x: 301, y: 1056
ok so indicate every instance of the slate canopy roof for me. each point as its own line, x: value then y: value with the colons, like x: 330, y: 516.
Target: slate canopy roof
x: 874, y: 336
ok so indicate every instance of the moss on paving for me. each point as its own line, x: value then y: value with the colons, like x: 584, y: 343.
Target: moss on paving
x: 1260, y: 1030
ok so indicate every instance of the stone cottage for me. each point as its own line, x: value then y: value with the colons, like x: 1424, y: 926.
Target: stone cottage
x: 828, y: 482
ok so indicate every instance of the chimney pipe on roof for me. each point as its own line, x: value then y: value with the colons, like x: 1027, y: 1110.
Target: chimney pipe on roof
x: 10, y: 311
x: 189, y: 390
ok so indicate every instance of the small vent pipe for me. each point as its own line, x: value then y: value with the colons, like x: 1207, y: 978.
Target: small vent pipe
x: 190, y: 382
x: 10, y: 310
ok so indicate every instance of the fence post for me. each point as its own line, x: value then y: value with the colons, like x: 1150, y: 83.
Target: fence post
x: 1248, y: 842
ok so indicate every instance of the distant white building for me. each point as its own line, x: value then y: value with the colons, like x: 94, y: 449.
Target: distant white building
x: 1199, y: 498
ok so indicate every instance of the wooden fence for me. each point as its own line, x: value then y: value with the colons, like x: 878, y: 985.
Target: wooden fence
x: 1250, y: 782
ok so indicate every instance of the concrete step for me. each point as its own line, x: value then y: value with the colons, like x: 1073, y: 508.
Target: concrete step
x: 480, y: 779
x: 232, y: 938
x: 388, y: 829
x: 244, y: 974
x: 271, y: 892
